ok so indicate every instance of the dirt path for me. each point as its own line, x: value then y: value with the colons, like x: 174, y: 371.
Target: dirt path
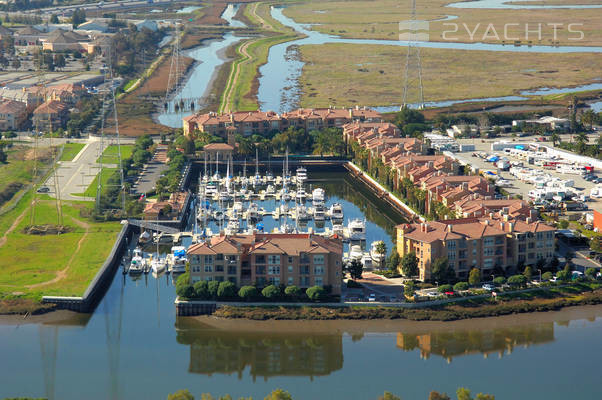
x: 63, y: 273
x: 14, y: 225
x: 233, y: 79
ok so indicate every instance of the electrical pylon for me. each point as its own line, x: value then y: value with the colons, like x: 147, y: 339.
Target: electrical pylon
x: 175, y: 68
x: 109, y: 97
x: 413, y: 70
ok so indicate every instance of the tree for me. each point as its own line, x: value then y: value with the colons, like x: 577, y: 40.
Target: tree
x: 248, y: 293
x: 474, y: 277
x: 78, y: 17
x: 590, y: 273
x: 226, y: 290
x: 16, y: 63
x: 461, y: 286
x: 445, y: 288
x: 555, y: 138
x: 499, y: 280
x: 54, y: 19
x: 315, y: 293
x: 180, y: 395
x: 528, y: 273
x: 381, y: 249
x: 393, y: 260
x: 355, y: 269
x: 565, y: 274
x: 594, y: 244
x: 59, y: 61
x: 201, y: 290
x: 409, y: 264
x: 563, y: 224
x: 279, y: 394
x: 212, y: 287
x: 438, y: 396
x: 183, y: 286
x: 463, y: 394
x: 546, y: 276
x: 3, y: 156
x: 271, y: 292
x: 388, y: 396
x: 517, y: 280
x: 293, y: 291
x: 440, y: 270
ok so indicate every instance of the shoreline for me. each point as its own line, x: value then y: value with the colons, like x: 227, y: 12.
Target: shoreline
x: 389, y: 326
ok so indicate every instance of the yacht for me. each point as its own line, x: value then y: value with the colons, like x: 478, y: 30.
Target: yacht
x: 138, y: 263
x: 376, y: 256
x: 337, y: 229
x: 270, y: 191
x: 237, y: 209
x: 356, y: 252
x: 253, y: 212
x: 269, y: 177
x: 144, y: 237
x: 177, y: 259
x: 356, y: 229
x: 211, y: 189
x: 336, y: 211
x: 301, y: 176
x: 318, y: 195
x: 302, y: 213
x: 233, y: 227
x: 218, y: 214
x: 301, y: 195
x: 158, y: 265
x: 224, y: 196
x: 319, y: 213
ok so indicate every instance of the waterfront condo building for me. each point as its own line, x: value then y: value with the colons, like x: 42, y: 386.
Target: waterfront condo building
x: 486, y: 243
x: 249, y: 123
x: 303, y: 260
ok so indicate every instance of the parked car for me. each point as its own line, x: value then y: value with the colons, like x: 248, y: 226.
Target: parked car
x: 372, y: 297
x: 43, y: 189
x: 489, y: 287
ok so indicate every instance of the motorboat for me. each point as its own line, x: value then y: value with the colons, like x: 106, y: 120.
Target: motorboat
x: 375, y: 254
x: 218, y: 214
x: 158, y: 265
x: 318, y: 196
x: 337, y: 229
x: 270, y: 190
x: 233, y: 227
x: 145, y: 237
x: 269, y: 177
x: 211, y: 189
x: 366, y: 261
x: 177, y: 259
x: 319, y: 214
x: 302, y: 213
x: 237, y: 209
x: 301, y: 194
x: 253, y: 212
x: 224, y: 195
x: 138, y: 263
x: 356, y: 229
x: 336, y: 211
x: 301, y: 176
x: 356, y: 252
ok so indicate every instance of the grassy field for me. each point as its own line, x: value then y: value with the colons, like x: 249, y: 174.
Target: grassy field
x: 33, y: 265
x: 70, y: 150
x: 380, y: 20
x: 109, y: 156
x: 371, y: 75
x: 93, y: 187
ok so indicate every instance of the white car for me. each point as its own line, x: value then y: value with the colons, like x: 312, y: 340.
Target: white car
x: 372, y: 297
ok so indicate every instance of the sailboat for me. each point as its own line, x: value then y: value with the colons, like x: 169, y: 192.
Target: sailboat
x: 257, y: 177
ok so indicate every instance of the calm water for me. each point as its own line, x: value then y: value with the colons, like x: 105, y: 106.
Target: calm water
x: 507, y: 4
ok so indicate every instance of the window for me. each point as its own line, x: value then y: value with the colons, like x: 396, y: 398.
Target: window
x: 531, y: 256
x: 488, y: 263
x: 319, y: 259
x: 531, y: 245
x: 549, y: 235
x: 318, y: 281
x: 290, y: 268
x: 290, y: 259
x: 273, y: 270
x: 451, y: 255
x: 304, y: 281
x: 499, y: 240
x: 219, y: 268
x: 318, y: 270
x: 304, y: 269
x: 196, y: 268
x: 290, y: 280
x: 274, y: 280
x: 208, y: 259
x: 488, y: 251
x: 260, y: 281
x: 259, y: 269
x: 488, y: 241
x: 260, y: 259
x: 231, y: 270
x: 539, y: 235
x: 451, y: 244
x: 208, y: 268
x: 219, y: 278
x: 462, y: 254
x: 219, y: 257
x: 208, y: 278
x: 273, y: 259
x: 195, y: 279
x: 232, y: 279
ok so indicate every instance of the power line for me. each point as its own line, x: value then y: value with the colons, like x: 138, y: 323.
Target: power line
x: 412, y: 86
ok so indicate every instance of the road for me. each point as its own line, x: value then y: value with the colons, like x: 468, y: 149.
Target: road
x: 151, y: 173
x: 581, y: 261
x: 122, y: 5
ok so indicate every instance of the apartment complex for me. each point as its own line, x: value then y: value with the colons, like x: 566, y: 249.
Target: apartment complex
x: 303, y: 260
x: 486, y: 243
x: 249, y: 123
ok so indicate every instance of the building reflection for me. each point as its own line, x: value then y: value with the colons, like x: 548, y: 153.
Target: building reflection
x: 266, y: 354
x: 458, y: 343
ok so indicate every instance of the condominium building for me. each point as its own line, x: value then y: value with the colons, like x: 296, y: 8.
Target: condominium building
x: 249, y: 123
x: 303, y: 260
x: 483, y: 243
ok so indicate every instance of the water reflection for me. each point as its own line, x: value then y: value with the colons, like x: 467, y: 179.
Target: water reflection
x: 266, y: 354
x: 452, y: 344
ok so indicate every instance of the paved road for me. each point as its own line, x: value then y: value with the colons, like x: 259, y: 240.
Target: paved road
x: 151, y: 173
x: 581, y: 261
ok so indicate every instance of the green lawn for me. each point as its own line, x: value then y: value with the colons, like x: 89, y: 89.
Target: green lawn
x: 110, y: 153
x: 32, y: 259
x: 93, y: 187
x: 70, y: 150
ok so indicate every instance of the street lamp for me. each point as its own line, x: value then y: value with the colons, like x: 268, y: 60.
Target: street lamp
x: 539, y: 269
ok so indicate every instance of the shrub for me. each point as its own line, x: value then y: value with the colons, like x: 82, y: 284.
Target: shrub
x: 201, y: 290
x: 499, y: 280
x: 353, y: 284
x: 546, y: 276
x: 460, y: 286
x: 226, y: 290
x: 445, y: 288
x: 248, y: 293
x: 182, y: 284
x: 212, y: 287
x: 293, y: 291
x: 517, y: 280
x: 590, y: 273
x: 315, y: 293
x: 474, y: 277
x: 271, y: 292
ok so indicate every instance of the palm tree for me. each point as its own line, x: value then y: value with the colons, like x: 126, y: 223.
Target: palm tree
x: 581, y: 140
x: 555, y: 138
x: 381, y: 249
x: 588, y: 118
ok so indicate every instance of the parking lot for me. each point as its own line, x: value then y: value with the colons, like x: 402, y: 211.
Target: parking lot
x: 384, y: 290
x: 518, y: 187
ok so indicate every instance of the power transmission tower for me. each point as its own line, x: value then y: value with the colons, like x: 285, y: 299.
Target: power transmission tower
x: 412, y: 84
x: 175, y: 68
x: 109, y: 102
x: 43, y: 94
